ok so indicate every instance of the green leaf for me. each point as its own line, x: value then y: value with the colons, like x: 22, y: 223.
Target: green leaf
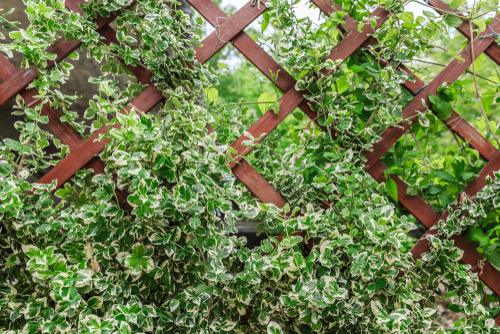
x: 392, y: 189
x: 442, y: 107
x: 360, y: 26
x: 185, y: 192
x: 407, y: 17
x: 138, y: 249
x: 15, y: 34
x: 427, y: 312
x: 445, y: 176
x: 266, y: 97
x: 95, y: 302
x: 199, y: 188
x: 435, y: 189
x: 274, y: 328
x: 74, y: 55
x: 454, y: 4
x: 487, y: 101
x: 412, y: 191
x: 265, y: 22
x: 5, y: 168
x: 176, y: 102
x: 174, y: 304
x: 93, y: 229
x: 286, y: 208
x: 212, y: 94
x: 267, y: 247
x: 194, y: 222
x: 476, y: 234
x: 276, y: 107
x: 12, y: 144
x: 290, y: 241
x: 381, y: 282
x: 493, y: 258
x: 453, y: 21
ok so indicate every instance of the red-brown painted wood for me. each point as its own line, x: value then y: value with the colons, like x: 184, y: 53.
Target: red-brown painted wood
x: 415, y: 204
x: 451, y: 72
x: 6, y: 68
x: 257, y: 184
x: 65, y: 169
x: 62, y: 130
x: 455, y: 122
x: 15, y: 84
x: 226, y: 30
x: 493, y: 51
x: 254, y: 53
x: 21, y: 79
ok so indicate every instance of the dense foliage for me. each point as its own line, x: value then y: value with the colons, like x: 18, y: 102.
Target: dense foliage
x: 79, y: 263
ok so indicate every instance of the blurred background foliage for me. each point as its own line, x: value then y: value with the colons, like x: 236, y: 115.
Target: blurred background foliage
x: 437, y: 164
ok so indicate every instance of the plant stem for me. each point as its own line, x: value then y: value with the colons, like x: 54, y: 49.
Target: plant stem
x: 478, y: 95
x: 439, y: 47
x: 252, y: 102
x: 443, y: 11
x: 485, y: 13
x: 461, y: 148
x: 21, y: 165
x: 468, y: 71
x: 420, y: 150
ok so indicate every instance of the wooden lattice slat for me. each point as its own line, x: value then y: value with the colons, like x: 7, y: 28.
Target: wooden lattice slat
x: 261, y: 59
x: 450, y: 73
x: 429, y: 215
x: 62, y: 48
x: 293, y: 98
x: 455, y: 122
x: 83, y: 152
x: 471, y: 256
x: 231, y: 29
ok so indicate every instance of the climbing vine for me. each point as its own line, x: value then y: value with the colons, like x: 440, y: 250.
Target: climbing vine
x: 78, y: 262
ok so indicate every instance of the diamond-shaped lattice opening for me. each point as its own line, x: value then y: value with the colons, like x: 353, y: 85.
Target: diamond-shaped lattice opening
x: 78, y: 84
x: 231, y: 89
x: 84, y: 81
x: 438, y: 173
x: 84, y: 69
x: 281, y: 156
x: 430, y: 63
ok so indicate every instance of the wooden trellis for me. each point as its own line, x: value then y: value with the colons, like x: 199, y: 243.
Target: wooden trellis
x: 84, y: 151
